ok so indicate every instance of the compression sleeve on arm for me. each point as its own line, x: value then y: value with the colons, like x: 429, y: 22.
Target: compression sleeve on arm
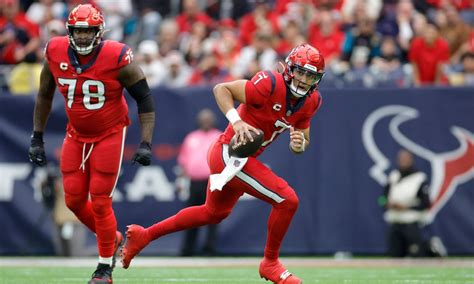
x: 142, y: 95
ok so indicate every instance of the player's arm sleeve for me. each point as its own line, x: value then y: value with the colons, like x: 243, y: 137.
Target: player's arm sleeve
x: 260, y: 88
x: 141, y: 93
x: 132, y: 78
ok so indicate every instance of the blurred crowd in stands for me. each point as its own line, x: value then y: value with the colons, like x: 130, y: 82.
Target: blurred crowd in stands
x: 178, y: 43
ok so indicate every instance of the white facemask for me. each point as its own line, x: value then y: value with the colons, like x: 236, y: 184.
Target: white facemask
x: 297, y: 92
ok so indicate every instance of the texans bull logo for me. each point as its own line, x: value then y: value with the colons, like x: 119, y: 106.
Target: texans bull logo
x: 448, y: 169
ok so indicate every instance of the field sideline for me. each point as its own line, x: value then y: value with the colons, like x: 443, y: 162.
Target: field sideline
x: 228, y: 270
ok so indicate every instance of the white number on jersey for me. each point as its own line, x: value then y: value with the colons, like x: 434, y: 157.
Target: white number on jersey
x: 86, y: 91
x: 129, y: 55
x: 261, y: 76
x: 278, y: 124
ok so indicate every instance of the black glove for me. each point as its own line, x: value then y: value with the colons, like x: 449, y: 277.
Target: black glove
x: 36, y: 150
x: 143, y: 154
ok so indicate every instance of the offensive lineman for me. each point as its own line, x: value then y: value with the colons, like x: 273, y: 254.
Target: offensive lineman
x: 91, y: 74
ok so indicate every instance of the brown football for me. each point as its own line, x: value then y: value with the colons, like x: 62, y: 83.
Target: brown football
x: 241, y: 150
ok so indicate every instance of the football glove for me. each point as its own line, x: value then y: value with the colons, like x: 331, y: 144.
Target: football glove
x: 36, y: 150
x: 143, y: 154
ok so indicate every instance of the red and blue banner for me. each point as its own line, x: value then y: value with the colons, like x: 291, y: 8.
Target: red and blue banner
x: 354, y: 140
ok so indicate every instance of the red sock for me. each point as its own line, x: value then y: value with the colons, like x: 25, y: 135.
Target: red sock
x: 106, y: 225
x: 187, y: 218
x: 278, y: 223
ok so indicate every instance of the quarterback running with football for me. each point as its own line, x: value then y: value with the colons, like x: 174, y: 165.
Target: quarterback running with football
x: 91, y: 74
x: 272, y: 102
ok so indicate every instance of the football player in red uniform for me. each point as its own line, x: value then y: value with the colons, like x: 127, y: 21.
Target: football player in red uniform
x: 91, y: 74
x: 273, y: 102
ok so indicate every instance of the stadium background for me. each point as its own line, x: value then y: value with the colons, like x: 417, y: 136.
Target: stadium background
x: 339, y: 210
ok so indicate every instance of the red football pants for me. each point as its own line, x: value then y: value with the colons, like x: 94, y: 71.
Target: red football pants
x: 92, y: 169
x: 255, y: 179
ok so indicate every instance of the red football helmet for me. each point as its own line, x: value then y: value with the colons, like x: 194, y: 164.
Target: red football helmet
x: 85, y: 16
x: 303, y: 60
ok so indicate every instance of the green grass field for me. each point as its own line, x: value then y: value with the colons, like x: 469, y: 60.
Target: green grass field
x: 236, y: 271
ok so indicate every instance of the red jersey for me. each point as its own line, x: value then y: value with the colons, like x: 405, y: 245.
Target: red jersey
x: 459, y: 4
x: 268, y: 107
x: 329, y: 45
x: 94, y: 99
x: 248, y: 26
x: 428, y: 57
x: 23, y: 29
x: 185, y: 22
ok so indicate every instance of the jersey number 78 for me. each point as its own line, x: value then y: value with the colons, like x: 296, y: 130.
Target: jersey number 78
x: 86, y: 91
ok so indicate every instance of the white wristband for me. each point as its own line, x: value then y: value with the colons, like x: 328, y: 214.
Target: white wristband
x: 233, y: 116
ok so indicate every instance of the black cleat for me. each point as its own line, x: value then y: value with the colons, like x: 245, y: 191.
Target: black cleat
x: 103, y: 274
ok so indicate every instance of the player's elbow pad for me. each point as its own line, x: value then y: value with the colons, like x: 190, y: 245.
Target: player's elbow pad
x: 142, y: 95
